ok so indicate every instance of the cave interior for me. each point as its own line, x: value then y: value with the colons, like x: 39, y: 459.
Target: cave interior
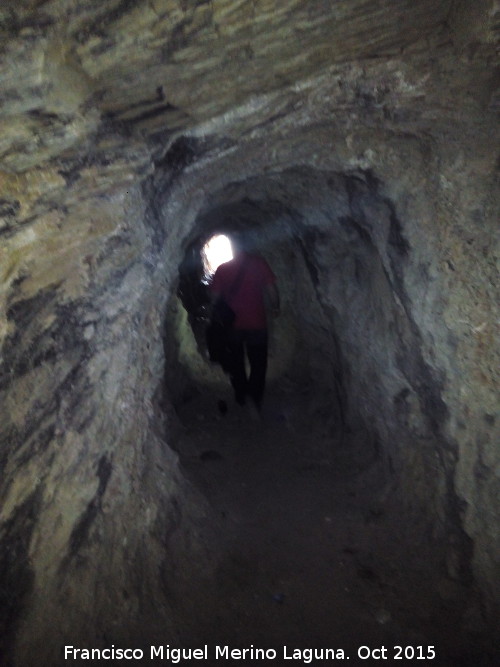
x: 356, y: 147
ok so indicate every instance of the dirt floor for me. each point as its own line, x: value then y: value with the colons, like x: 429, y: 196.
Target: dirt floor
x: 315, y: 554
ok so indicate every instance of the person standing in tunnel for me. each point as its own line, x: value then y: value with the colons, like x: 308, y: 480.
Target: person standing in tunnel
x: 248, y: 286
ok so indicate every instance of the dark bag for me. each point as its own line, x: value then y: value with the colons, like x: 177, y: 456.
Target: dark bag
x: 223, y: 314
x: 218, y: 332
x: 219, y: 329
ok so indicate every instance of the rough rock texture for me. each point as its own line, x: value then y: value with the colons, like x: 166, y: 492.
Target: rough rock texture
x: 358, y: 140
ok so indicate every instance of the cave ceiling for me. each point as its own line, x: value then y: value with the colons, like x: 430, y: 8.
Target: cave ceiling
x: 82, y: 76
x: 94, y: 95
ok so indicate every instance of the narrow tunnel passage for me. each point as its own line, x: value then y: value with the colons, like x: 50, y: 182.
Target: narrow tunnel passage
x: 324, y: 530
x: 348, y: 323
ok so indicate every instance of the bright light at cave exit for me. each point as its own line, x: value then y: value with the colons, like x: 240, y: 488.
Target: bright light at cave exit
x: 217, y: 251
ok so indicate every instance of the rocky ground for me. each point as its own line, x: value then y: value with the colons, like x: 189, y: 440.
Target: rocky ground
x: 316, y: 553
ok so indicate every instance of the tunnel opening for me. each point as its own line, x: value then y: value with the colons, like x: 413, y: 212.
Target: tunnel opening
x: 287, y: 362
x: 349, y: 389
x: 347, y: 341
x: 216, y: 251
x: 343, y: 242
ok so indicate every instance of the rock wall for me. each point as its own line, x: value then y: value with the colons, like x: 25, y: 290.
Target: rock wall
x: 91, y: 499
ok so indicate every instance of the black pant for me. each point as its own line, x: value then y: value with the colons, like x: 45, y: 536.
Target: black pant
x: 254, y: 343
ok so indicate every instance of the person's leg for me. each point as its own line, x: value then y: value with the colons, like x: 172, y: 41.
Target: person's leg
x: 236, y: 366
x: 256, y: 343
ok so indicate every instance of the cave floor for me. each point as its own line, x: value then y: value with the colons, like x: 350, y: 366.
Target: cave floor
x: 315, y: 551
